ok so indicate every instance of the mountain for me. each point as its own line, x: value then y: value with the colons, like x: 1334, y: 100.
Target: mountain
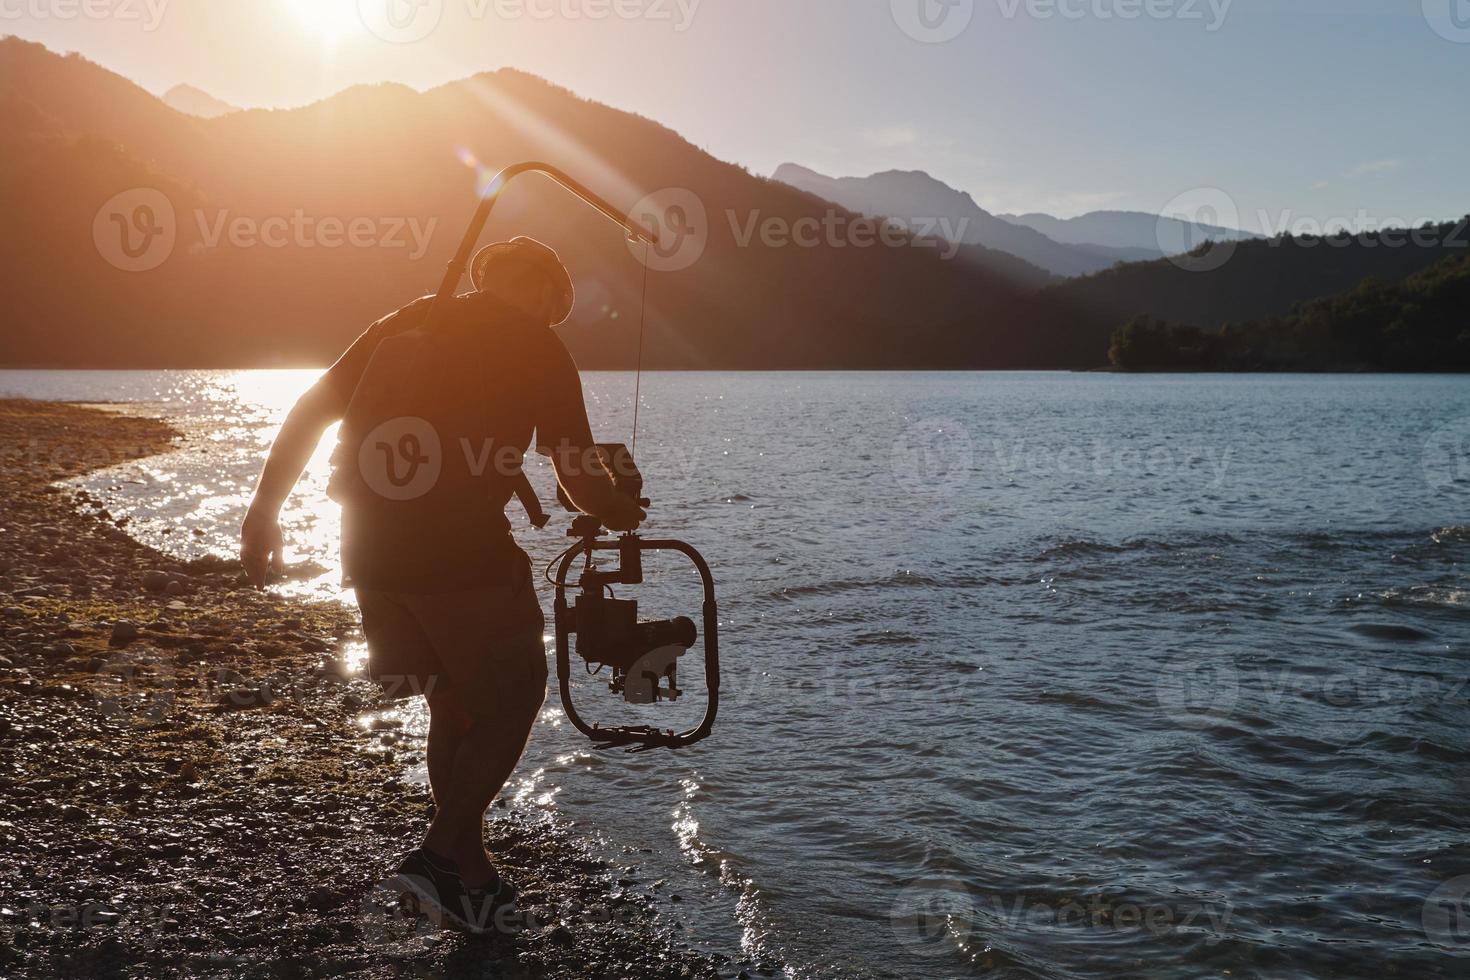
x: 924, y: 202
x: 196, y: 102
x: 141, y: 236
x: 281, y: 234
x: 1148, y: 233
x: 1234, y: 282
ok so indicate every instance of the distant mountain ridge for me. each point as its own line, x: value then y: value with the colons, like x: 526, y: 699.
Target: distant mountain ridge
x: 1159, y: 234
x: 915, y: 196
x: 197, y: 102
x: 388, y: 157
x: 247, y: 280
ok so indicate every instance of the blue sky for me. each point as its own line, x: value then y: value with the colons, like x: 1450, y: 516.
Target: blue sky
x: 1307, y: 111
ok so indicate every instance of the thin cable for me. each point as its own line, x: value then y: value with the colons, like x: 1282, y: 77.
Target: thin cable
x: 642, y: 319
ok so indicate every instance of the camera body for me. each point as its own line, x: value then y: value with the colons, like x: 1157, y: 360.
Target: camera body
x: 643, y: 657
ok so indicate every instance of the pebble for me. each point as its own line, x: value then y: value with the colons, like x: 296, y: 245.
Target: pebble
x: 155, y: 581
x: 123, y: 633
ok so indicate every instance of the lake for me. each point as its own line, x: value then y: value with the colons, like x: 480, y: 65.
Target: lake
x: 1025, y: 675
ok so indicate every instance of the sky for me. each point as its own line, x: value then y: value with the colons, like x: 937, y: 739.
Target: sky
x: 1303, y: 113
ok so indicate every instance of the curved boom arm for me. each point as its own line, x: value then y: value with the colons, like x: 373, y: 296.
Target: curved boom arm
x: 461, y: 261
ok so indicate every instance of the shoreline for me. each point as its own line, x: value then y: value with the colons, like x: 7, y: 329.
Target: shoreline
x: 186, y: 784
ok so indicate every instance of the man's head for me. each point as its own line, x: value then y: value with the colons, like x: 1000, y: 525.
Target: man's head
x: 526, y: 275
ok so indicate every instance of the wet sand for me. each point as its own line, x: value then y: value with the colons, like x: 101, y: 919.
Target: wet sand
x: 186, y: 787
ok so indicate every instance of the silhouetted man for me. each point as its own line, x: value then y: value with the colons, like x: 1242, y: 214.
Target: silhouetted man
x: 436, y: 420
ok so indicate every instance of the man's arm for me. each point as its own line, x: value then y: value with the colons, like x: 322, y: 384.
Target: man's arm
x: 261, y: 540
x: 564, y: 431
x: 260, y: 536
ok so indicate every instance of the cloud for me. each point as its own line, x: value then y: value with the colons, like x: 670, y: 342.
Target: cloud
x: 1373, y: 167
x: 1320, y: 185
x: 890, y: 136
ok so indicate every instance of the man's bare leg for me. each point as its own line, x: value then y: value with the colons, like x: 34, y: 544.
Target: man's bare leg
x: 485, y: 755
x: 447, y: 724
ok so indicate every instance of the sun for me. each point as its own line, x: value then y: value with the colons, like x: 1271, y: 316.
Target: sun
x: 327, y: 19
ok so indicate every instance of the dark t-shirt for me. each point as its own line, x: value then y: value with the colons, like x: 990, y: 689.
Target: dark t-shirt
x: 435, y: 423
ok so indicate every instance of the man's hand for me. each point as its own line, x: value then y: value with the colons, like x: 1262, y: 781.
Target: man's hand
x: 262, y: 547
x: 623, y: 515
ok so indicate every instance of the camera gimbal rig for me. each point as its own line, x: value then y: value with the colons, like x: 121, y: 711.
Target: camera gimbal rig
x: 642, y: 656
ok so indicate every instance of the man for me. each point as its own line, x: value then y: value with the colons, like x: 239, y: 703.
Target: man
x: 436, y: 419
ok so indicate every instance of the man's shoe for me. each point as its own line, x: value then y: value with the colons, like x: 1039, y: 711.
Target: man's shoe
x: 489, y: 909
x: 433, y: 882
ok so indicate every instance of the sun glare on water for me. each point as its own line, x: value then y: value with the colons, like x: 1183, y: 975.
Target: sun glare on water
x: 327, y: 19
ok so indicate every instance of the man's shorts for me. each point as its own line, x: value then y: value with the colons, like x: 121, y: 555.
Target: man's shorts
x: 474, y: 641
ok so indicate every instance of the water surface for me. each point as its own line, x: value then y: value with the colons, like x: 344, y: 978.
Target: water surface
x: 1026, y: 675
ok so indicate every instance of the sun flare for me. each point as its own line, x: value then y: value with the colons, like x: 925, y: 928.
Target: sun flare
x: 328, y: 19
